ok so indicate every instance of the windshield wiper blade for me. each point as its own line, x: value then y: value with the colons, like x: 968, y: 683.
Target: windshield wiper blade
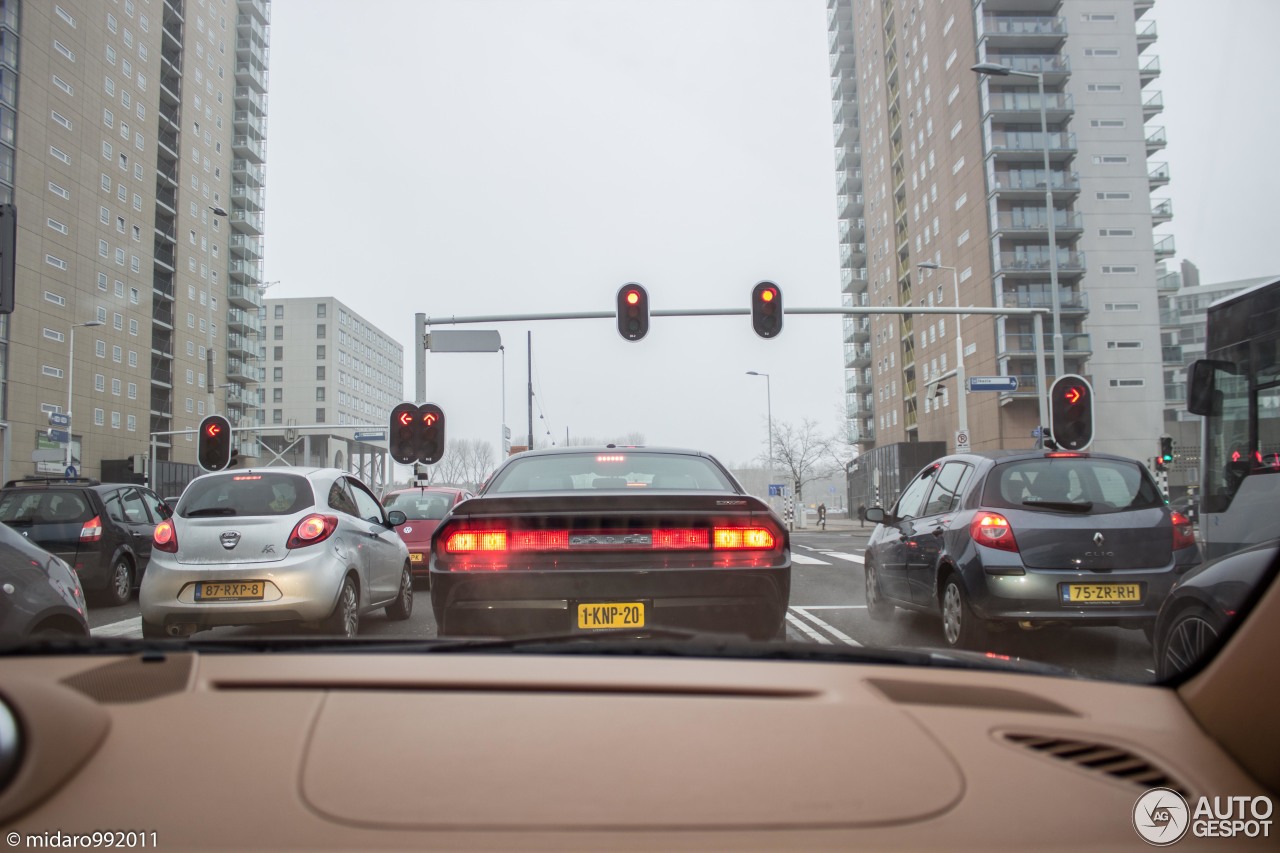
x: 1065, y: 506
x: 210, y: 510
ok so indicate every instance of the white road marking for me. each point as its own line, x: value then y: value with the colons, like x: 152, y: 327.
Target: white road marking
x: 839, y: 555
x: 830, y: 607
x: 805, y: 547
x: 834, y: 631
x: 801, y: 559
x: 131, y: 628
x: 813, y: 635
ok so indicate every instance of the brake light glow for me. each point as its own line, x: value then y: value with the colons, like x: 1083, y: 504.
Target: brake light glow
x: 1063, y: 455
x: 247, y: 477
x: 682, y: 539
x: 165, y: 537
x: 540, y: 540
x: 91, y: 531
x: 1184, y: 534
x: 992, y: 529
x: 611, y: 457
x: 312, y: 530
x: 742, y: 538
x: 470, y: 541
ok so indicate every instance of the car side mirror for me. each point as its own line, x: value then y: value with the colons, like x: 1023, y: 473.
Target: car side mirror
x: 395, y: 518
x: 1202, y: 385
x: 878, y: 515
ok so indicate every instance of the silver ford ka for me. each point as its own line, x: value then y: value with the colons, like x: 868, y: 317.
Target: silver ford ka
x: 305, y: 545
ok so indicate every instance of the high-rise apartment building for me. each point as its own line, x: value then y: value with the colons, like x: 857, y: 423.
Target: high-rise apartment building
x: 944, y: 166
x: 131, y: 143
x: 327, y: 365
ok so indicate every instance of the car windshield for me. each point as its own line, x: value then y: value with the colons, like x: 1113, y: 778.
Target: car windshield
x: 420, y: 505
x: 1102, y: 485
x: 263, y: 493
x: 608, y: 469
x: 1005, y: 263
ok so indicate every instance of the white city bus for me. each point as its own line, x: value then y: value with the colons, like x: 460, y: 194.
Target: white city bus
x: 1237, y: 390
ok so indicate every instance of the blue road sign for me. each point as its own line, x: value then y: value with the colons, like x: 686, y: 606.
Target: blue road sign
x: 776, y: 490
x: 1035, y: 433
x: 993, y: 383
x: 59, y: 420
x: 379, y: 435
x: 70, y: 472
x: 61, y: 436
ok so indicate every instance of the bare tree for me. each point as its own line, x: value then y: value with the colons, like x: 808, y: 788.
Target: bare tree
x: 480, y: 459
x: 453, y: 465
x: 804, y: 453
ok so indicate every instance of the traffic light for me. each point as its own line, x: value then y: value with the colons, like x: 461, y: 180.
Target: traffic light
x: 766, y: 309
x: 404, y: 433
x: 213, y: 446
x: 633, y: 312
x: 1166, y: 449
x: 431, y: 426
x: 1071, y: 412
x: 417, y: 433
x: 8, y: 248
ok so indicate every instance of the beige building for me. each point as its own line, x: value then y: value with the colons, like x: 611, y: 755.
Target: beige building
x: 132, y: 142
x: 940, y: 165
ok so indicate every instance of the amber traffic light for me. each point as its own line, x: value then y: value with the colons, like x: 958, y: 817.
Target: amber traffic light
x: 766, y: 309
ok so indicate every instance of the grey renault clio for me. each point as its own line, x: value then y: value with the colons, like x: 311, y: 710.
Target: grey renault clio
x: 303, y: 545
x: 1027, y: 537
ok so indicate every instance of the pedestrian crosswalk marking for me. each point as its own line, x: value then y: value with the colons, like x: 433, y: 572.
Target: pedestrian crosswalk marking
x: 802, y: 560
x: 829, y: 628
x: 813, y: 635
x: 131, y: 628
x: 839, y: 555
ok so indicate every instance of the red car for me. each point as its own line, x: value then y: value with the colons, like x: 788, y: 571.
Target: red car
x: 423, y: 507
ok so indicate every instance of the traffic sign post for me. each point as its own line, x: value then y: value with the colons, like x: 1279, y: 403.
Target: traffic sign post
x: 57, y: 419
x: 374, y: 435
x: 61, y: 436
x: 962, y: 441
x: 993, y: 383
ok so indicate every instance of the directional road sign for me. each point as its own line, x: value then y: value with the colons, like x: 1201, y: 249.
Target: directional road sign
x: 58, y: 419
x: 993, y: 383
x: 61, y: 436
x: 373, y: 435
x: 70, y: 472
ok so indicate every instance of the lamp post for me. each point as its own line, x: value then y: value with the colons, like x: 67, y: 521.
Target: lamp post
x: 961, y: 381
x: 71, y: 363
x: 768, y: 396
x: 994, y: 69
x: 209, y: 380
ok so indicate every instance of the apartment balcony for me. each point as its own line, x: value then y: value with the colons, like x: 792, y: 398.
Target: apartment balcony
x: 248, y: 173
x: 857, y: 355
x: 845, y: 132
x: 1165, y: 248
x: 167, y: 177
x: 1152, y: 105
x: 1024, y: 344
x: 857, y: 330
x: 1030, y: 223
x: 168, y: 140
x: 1161, y: 211
x: 861, y: 434
x: 245, y: 196
x: 168, y: 199
x: 245, y: 322
x: 1159, y: 175
x: 1156, y: 140
x: 1148, y: 70
x: 163, y: 256
x: 161, y: 342
x: 162, y: 373
x: 245, y: 272
x: 848, y: 205
x: 848, y: 181
x: 260, y: 11
x: 1056, y: 69
x: 1028, y: 146
x: 249, y: 124
x: 246, y: 296
x: 1036, y: 264
x: 853, y: 255
x: 247, y: 99
x: 162, y: 285
x: 239, y: 370
x: 853, y: 282
x: 245, y: 221
x: 1028, y: 184
x: 252, y: 47
x: 851, y: 230
x: 1023, y: 107
x: 245, y: 246
x: 253, y: 75
x: 858, y: 382
x: 1146, y: 35
x: 249, y: 147
x: 1069, y: 302
x: 1012, y: 32
x: 842, y: 59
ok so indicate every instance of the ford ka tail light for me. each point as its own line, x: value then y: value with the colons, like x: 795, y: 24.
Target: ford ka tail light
x: 165, y: 537
x: 992, y: 529
x: 312, y: 530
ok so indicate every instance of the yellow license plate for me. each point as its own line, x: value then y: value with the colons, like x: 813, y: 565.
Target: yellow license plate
x: 611, y: 614
x: 231, y: 591
x: 415, y: 558
x: 1103, y: 593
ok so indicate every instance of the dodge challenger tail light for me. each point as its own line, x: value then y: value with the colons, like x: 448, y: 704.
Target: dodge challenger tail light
x: 498, y: 540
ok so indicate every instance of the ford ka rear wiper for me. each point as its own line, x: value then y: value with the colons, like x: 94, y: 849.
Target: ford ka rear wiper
x: 210, y: 510
x: 1065, y: 506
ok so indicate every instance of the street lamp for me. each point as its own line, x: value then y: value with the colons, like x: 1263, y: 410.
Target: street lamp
x: 994, y: 69
x: 961, y: 382
x: 768, y: 396
x: 208, y: 355
x: 71, y: 363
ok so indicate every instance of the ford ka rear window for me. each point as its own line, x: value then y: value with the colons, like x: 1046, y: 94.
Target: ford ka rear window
x: 615, y: 470
x: 1071, y: 484
x: 246, y: 494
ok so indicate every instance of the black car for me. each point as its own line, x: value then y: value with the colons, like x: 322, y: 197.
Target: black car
x: 1204, y: 602
x: 102, y: 530
x: 583, y: 540
x: 1030, y: 538
x: 39, y: 594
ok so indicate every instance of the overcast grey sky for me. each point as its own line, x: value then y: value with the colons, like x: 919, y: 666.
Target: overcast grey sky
x: 461, y: 157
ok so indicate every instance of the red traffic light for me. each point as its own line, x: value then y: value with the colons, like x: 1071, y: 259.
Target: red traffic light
x: 405, y: 418
x: 768, y: 294
x: 1073, y: 395
x: 632, y: 297
x: 429, y: 418
x: 632, y: 312
x: 213, y: 444
x: 213, y: 430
